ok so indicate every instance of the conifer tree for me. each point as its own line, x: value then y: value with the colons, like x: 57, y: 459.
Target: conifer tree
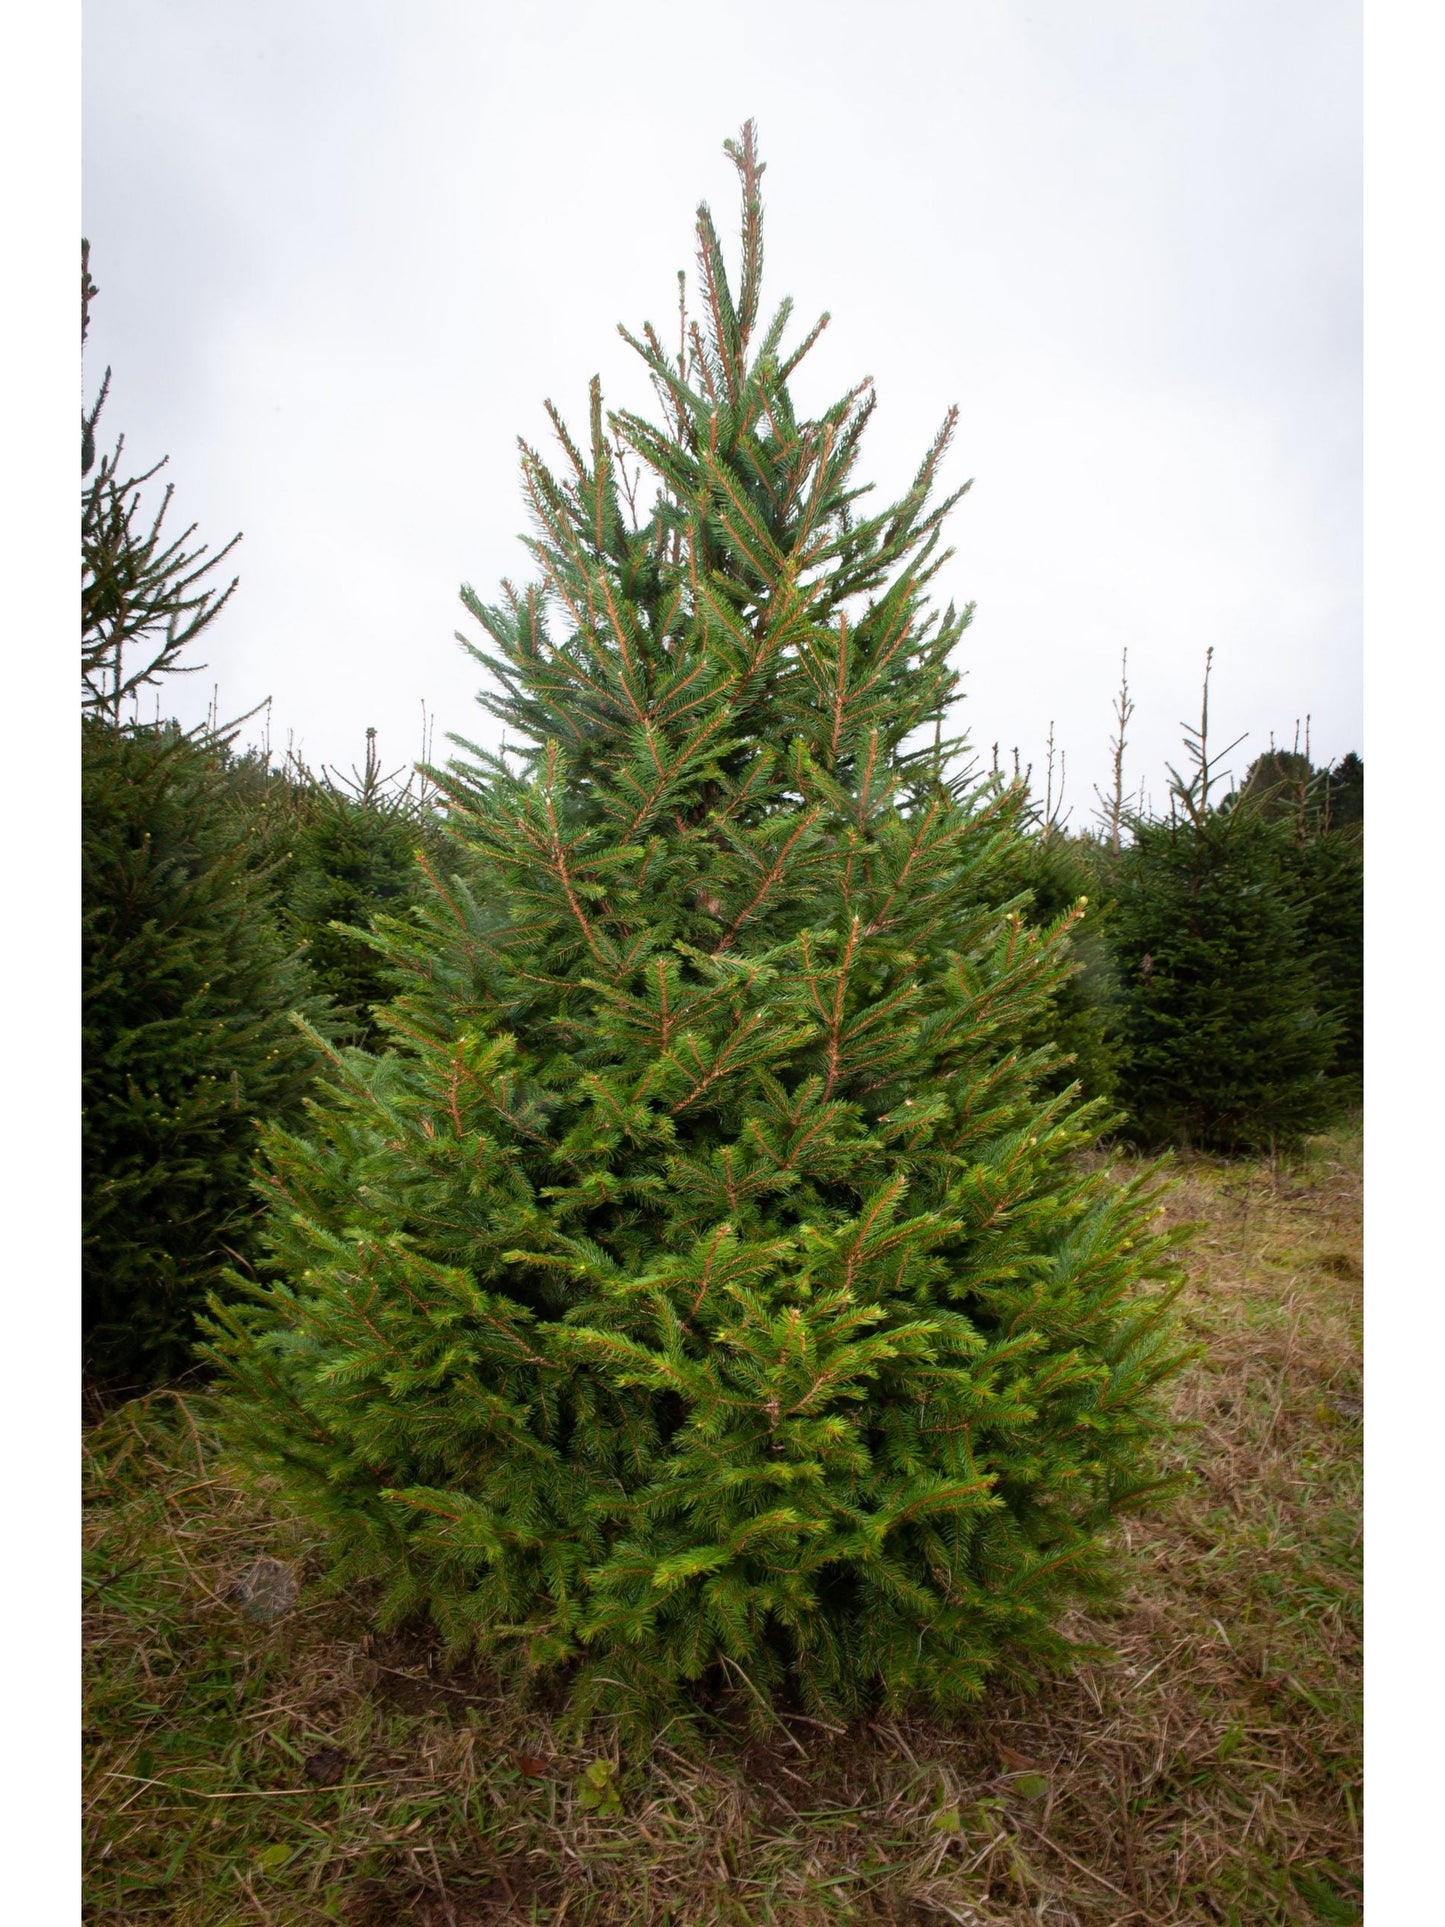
x: 144, y: 594
x: 1281, y: 784
x: 345, y: 850
x: 354, y: 861
x: 1061, y: 878
x: 1063, y: 874
x: 1324, y: 863
x: 1327, y: 870
x: 1343, y: 804
x: 188, y: 984
x: 187, y: 978
x: 1226, y: 1044
x: 702, y: 1291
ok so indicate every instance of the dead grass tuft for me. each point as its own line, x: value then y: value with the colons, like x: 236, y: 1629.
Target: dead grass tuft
x: 1208, y: 1773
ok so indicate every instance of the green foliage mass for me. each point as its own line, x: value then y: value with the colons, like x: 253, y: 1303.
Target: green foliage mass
x: 1279, y: 784
x: 353, y: 862
x: 1328, y: 871
x: 1343, y: 806
x: 1067, y: 885
x: 1318, y: 802
x: 703, y: 1290
x: 1226, y: 1045
x: 188, y: 983
x: 144, y: 594
x: 354, y: 853
x: 342, y: 853
x: 1324, y: 865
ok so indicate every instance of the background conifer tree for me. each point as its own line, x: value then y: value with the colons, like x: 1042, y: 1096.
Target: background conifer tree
x: 1226, y: 1045
x: 187, y: 977
x: 1323, y: 811
x: 144, y: 594
x: 702, y: 1290
x: 1060, y: 877
x: 1063, y: 874
x: 345, y: 850
x: 1343, y: 803
x: 1327, y: 869
x: 1281, y: 784
x: 188, y: 984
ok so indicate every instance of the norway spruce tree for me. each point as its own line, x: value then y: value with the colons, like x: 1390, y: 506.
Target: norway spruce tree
x: 343, y: 850
x: 144, y: 596
x: 1327, y: 869
x: 188, y: 982
x: 353, y: 858
x: 1058, y: 872
x: 701, y: 1291
x: 188, y: 978
x: 1228, y: 1041
x: 1324, y: 863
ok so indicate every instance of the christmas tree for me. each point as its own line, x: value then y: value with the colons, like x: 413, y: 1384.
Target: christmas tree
x: 702, y: 1290
x: 188, y: 983
x: 144, y: 597
x: 1327, y: 868
x: 1324, y: 863
x: 1227, y: 1045
x: 345, y: 850
x: 187, y: 977
x: 1081, y: 1020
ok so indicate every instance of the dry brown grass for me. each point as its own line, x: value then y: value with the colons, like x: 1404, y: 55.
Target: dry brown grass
x: 1208, y: 1773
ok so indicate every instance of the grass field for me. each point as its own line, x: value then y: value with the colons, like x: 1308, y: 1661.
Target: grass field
x: 298, y: 1769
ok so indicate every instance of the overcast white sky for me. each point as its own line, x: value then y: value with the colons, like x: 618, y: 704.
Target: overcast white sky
x: 344, y: 251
